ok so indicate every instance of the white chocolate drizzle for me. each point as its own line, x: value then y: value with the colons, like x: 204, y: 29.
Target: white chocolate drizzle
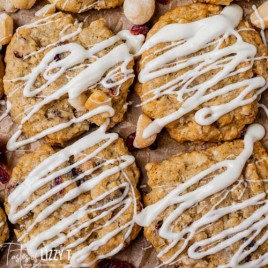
x: 187, y: 39
x: 102, y: 71
x: 6, y: 112
x: 50, y: 169
x: 229, y: 171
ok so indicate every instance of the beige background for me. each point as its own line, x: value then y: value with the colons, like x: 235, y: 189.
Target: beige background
x: 139, y: 253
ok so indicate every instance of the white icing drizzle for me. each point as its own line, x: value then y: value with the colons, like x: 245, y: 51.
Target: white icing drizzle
x: 49, y: 170
x: 187, y: 39
x: 250, y: 227
x: 134, y: 42
x: 100, y: 71
x: 261, y: 23
x: 6, y: 112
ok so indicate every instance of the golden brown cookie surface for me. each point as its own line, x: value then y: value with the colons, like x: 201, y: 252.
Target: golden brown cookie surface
x: 29, y: 51
x: 89, y: 204
x: 160, y: 93
x: 208, y: 226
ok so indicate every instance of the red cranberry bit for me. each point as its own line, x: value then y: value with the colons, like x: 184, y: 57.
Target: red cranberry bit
x: 58, y: 181
x: 79, y: 182
x: 252, y: 244
x: 114, y: 264
x: 130, y: 142
x: 57, y: 57
x: 113, y: 91
x: 158, y: 225
x: 4, y: 176
x: 76, y: 172
x: 163, y: 2
x: 17, y: 54
x: 140, y: 29
x: 247, y: 259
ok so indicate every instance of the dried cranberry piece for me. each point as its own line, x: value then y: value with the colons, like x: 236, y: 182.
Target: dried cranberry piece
x: 79, y: 182
x: 130, y: 142
x: 114, y: 264
x: 140, y: 29
x: 76, y: 172
x: 163, y: 2
x: 252, y: 244
x: 57, y: 57
x: 17, y: 54
x: 4, y: 176
x: 58, y: 180
x: 158, y: 225
x: 113, y: 91
x: 247, y: 259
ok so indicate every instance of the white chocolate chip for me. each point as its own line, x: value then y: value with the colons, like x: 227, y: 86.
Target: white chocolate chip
x: 23, y: 4
x: 6, y: 29
x: 143, y: 122
x: 79, y: 102
x: 261, y: 16
x: 139, y: 11
x: 46, y: 10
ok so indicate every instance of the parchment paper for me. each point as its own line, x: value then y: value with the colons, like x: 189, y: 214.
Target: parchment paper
x: 139, y: 253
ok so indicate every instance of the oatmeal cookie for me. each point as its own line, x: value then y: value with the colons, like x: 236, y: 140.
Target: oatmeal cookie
x: 214, y: 207
x: 194, y: 78
x: 78, y: 6
x: 57, y: 68
x: 81, y: 199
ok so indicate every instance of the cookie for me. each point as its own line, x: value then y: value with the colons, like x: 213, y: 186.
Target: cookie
x: 4, y: 231
x: 63, y: 76
x: 79, y: 201
x: 209, y: 208
x: 201, y: 73
x: 78, y: 6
